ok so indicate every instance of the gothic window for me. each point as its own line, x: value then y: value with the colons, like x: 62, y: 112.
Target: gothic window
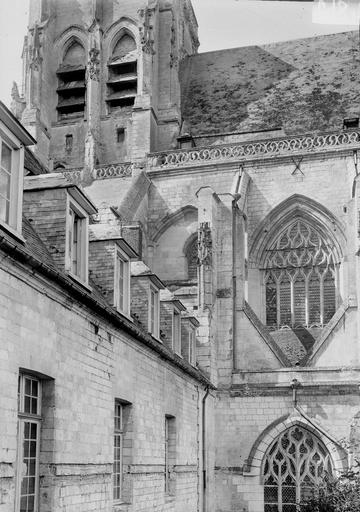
x: 191, y: 255
x: 300, y: 277
x: 122, y: 81
x: 295, y: 463
x: 71, y: 86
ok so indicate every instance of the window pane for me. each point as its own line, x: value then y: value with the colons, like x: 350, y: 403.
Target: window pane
x: 4, y: 209
x: 285, y: 302
x: 299, y: 300
x: 4, y: 184
x: 271, y: 301
x: 329, y: 297
x: 5, y: 157
x: 314, y: 299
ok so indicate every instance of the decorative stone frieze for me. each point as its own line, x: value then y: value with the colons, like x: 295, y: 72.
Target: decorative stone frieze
x: 258, y: 149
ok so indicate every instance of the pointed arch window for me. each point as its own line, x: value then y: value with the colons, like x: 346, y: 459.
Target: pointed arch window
x: 71, y: 86
x: 300, y: 277
x: 191, y: 255
x: 122, y: 69
x: 295, y: 463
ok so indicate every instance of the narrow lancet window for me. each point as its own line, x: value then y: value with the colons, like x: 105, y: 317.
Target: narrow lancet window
x: 122, y: 81
x: 71, y: 86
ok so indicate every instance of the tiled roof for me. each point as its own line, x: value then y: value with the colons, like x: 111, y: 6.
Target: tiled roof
x: 33, y: 164
x: 303, y: 86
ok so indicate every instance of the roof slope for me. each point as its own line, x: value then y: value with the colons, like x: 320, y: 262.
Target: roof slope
x: 302, y: 85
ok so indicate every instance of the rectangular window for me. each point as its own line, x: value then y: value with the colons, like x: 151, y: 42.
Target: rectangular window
x: 170, y: 453
x: 122, y: 451
x: 192, y: 347
x: 29, y: 411
x: 77, y: 242
x: 176, y: 332
x: 118, y: 450
x: 5, y: 181
x: 154, y: 309
x: 122, y: 284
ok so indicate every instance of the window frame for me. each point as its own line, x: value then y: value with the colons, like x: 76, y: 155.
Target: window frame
x: 30, y: 418
x: 176, y: 331
x: 82, y: 273
x: 192, y: 346
x: 118, y: 434
x: 154, y: 313
x: 120, y: 256
x: 16, y: 179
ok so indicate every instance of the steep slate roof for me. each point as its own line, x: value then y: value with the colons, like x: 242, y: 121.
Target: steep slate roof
x: 302, y: 85
x: 32, y: 164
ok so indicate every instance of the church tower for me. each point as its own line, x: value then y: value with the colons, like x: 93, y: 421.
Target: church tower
x: 101, y: 78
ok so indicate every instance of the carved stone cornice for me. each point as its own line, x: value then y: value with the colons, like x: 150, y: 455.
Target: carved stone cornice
x: 268, y: 148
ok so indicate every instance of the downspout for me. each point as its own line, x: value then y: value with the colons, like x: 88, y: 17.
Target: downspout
x: 203, y: 423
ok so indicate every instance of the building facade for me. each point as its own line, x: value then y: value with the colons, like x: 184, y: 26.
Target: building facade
x: 231, y: 179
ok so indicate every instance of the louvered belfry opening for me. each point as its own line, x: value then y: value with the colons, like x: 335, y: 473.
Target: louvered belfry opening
x: 300, y: 277
x: 122, y: 74
x: 295, y: 463
x: 71, y: 83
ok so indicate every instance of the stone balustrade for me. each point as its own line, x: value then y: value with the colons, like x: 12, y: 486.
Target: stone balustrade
x: 257, y: 149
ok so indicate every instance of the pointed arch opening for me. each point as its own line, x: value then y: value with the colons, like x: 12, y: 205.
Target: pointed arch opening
x: 122, y: 81
x: 300, y: 272
x: 294, y: 464
x: 191, y: 255
x: 71, y: 81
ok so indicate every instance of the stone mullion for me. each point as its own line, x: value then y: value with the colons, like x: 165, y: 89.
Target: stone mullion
x: 292, y: 300
x: 307, y: 277
x: 321, y: 299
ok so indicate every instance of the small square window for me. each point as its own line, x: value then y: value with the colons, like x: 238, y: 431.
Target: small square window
x: 351, y: 123
x: 122, y: 283
x: 77, y: 242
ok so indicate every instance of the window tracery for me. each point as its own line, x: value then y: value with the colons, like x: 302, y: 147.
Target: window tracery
x: 192, y: 259
x: 295, y: 463
x: 300, y: 278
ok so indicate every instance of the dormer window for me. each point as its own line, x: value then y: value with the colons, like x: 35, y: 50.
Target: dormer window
x: 13, y: 137
x: 176, y: 332
x: 5, y: 181
x: 192, y: 347
x: 122, y: 81
x: 77, y: 242
x: 154, y: 311
x: 122, y: 283
x: 71, y: 87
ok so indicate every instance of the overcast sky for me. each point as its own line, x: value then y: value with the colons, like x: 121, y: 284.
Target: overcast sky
x: 222, y: 24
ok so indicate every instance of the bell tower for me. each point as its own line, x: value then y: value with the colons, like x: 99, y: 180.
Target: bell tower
x: 101, y: 78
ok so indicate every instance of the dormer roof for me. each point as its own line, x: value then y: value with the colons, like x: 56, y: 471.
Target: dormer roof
x: 58, y: 180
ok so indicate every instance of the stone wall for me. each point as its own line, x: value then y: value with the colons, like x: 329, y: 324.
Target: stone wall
x: 84, y: 364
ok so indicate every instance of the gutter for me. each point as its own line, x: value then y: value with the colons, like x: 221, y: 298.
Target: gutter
x: 203, y: 423
x: 21, y: 254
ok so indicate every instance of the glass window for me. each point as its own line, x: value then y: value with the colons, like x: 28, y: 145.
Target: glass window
x: 300, y: 278
x: 5, y: 181
x: 122, y: 284
x: 29, y: 408
x: 77, y: 242
x: 295, y: 463
x: 154, y: 312
x: 118, y: 450
x: 176, y: 332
